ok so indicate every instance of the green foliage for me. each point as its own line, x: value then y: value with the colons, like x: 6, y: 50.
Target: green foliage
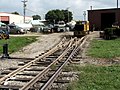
x: 15, y: 13
x: 117, y: 32
x: 105, y: 48
x: 36, y: 17
x: 67, y: 15
x: 111, y: 33
x: 97, y: 78
x: 16, y: 43
x: 51, y: 16
x: 54, y: 16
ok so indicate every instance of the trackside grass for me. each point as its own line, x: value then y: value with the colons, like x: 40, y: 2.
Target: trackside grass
x: 16, y: 43
x: 93, y: 77
x: 97, y: 78
x: 105, y: 48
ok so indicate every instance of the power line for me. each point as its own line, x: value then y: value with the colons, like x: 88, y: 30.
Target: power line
x: 36, y: 13
x: 32, y: 11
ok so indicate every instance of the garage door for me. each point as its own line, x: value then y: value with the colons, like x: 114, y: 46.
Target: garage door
x: 4, y: 18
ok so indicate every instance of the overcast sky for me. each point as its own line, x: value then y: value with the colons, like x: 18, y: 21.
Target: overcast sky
x: 41, y: 7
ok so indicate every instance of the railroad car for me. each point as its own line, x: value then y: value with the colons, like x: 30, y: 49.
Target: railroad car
x: 81, y: 28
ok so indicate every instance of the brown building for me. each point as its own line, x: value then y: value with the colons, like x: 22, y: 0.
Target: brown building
x: 103, y: 18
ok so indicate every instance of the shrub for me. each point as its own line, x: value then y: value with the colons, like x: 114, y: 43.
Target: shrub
x: 117, y: 32
x: 110, y: 33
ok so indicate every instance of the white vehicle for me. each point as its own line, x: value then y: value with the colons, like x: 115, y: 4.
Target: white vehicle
x: 60, y: 26
x: 25, y: 26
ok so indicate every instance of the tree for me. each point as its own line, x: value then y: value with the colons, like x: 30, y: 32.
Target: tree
x: 54, y: 16
x: 36, y: 17
x: 51, y: 16
x: 68, y: 15
x: 15, y: 13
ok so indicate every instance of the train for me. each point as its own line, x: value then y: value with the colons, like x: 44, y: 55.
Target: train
x: 81, y: 28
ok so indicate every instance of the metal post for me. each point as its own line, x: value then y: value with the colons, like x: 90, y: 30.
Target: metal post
x: 24, y: 9
x: 117, y: 18
x: 90, y: 7
x: 5, y: 51
x: 84, y: 14
x: 117, y: 3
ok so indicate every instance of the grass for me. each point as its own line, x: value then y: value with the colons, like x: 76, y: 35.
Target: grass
x: 16, y: 43
x: 105, y: 48
x: 93, y: 77
x: 97, y: 78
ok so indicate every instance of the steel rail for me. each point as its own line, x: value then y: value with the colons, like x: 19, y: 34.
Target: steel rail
x: 41, y: 74
x: 28, y: 64
x: 73, y: 43
x: 53, y: 78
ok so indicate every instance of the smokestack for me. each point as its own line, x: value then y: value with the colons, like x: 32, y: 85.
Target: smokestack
x: 91, y: 7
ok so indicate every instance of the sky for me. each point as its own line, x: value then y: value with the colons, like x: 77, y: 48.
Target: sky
x: 41, y: 7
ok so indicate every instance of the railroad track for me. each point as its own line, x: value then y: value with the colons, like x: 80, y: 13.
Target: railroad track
x: 42, y: 73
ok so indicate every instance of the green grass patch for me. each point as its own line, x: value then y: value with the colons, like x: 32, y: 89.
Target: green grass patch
x: 97, y: 78
x: 16, y: 43
x: 105, y: 48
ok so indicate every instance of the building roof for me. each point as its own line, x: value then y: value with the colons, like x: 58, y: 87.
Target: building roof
x: 12, y: 14
x: 104, y: 9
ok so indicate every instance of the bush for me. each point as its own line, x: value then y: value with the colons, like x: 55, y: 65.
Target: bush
x: 117, y: 32
x: 110, y: 33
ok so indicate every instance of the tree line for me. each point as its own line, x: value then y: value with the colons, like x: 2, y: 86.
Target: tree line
x: 53, y: 16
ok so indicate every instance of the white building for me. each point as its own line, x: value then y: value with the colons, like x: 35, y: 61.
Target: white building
x: 8, y: 18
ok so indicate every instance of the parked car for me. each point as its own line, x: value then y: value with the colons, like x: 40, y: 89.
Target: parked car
x: 60, y: 26
x: 14, y: 29
x: 4, y: 33
x: 48, y: 28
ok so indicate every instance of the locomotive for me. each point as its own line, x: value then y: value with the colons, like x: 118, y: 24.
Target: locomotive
x: 81, y: 28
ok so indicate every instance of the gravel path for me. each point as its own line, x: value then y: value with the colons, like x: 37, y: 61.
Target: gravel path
x: 44, y: 42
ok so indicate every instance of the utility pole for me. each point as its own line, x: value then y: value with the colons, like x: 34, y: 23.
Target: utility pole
x: 68, y: 16
x: 24, y: 9
x: 84, y: 14
x: 68, y: 12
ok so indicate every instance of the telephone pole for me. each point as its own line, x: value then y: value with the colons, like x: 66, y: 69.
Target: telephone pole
x: 24, y: 8
x: 84, y: 14
x: 68, y: 12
